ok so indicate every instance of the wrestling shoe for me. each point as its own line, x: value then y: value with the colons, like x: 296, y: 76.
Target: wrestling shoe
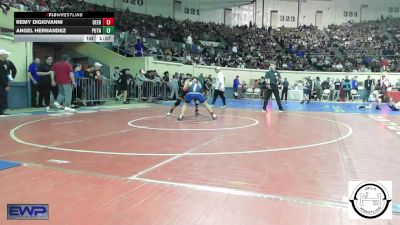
x: 57, y: 105
x: 69, y: 109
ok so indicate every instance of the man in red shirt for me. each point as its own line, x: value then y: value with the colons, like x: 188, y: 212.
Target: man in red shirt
x: 64, y: 78
x: 384, y: 63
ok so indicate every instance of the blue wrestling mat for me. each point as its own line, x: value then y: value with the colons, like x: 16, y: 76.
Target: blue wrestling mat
x: 296, y: 106
x: 6, y: 164
x: 249, y: 104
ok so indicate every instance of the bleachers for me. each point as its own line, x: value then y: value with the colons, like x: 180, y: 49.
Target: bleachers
x: 362, y: 45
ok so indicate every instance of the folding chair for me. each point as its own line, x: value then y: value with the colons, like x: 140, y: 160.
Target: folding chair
x: 354, y: 94
x: 250, y: 92
x: 257, y: 92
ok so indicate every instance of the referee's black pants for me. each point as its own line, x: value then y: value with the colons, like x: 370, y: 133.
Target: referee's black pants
x: 284, y: 93
x: 3, y: 100
x: 220, y: 94
x: 275, y: 91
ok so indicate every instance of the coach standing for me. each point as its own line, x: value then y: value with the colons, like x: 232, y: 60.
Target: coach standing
x: 285, y: 89
x: 219, y: 87
x: 347, y: 88
x: 272, y: 77
x: 64, y: 77
x: 367, y: 89
x: 7, y: 74
x: 47, y: 82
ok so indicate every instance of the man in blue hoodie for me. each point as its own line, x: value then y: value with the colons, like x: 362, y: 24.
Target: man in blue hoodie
x: 77, y: 91
x: 354, y: 83
x: 139, y: 48
x: 34, y: 80
x: 236, y: 84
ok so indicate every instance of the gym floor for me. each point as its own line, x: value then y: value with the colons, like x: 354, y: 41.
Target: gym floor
x: 134, y: 165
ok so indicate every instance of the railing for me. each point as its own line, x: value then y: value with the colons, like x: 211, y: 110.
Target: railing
x: 92, y: 91
x: 97, y: 91
x: 149, y: 90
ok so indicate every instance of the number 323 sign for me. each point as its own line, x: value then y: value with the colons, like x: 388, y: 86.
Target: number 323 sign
x: 288, y: 18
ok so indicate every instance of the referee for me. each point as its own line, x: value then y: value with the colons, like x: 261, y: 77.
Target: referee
x: 272, y: 78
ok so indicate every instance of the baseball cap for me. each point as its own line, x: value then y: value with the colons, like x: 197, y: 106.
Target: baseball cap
x: 4, y: 52
x: 97, y: 64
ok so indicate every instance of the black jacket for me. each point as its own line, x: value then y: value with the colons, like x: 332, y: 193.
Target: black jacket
x: 368, y: 84
x: 5, y: 67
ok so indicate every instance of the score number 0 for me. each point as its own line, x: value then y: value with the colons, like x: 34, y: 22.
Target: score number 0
x: 108, y: 21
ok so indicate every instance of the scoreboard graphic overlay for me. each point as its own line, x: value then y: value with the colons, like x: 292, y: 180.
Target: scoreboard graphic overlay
x: 64, y: 27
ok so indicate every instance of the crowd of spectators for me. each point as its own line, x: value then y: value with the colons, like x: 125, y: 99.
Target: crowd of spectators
x: 305, y: 48
x: 235, y: 46
x: 362, y: 47
x: 393, y: 25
